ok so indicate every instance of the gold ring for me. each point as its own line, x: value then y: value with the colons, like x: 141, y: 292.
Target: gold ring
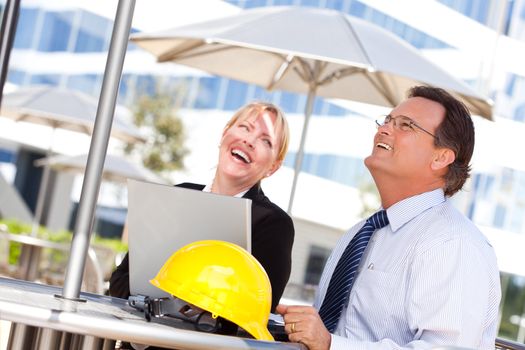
x: 293, y: 327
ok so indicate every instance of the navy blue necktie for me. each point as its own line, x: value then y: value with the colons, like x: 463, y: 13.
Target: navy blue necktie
x: 346, y: 269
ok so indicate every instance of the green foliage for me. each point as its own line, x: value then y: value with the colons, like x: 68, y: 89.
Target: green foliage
x: 164, y: 150
x: 513, y: 305
x: 56, y: 257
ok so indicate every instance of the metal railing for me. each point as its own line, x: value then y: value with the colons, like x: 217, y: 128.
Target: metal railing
x: 504, y: 344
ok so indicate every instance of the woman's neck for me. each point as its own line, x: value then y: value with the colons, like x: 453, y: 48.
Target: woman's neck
x: 229, y: 188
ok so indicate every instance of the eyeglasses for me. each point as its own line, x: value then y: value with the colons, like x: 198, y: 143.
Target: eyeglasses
x: 402, y: 123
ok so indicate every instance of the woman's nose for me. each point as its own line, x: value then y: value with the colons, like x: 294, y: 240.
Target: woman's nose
x: 249, y: 142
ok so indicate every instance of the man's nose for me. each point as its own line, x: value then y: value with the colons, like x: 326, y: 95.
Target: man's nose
x: 386, y: 128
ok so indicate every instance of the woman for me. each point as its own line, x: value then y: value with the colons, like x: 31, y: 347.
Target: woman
x: 253, y: 146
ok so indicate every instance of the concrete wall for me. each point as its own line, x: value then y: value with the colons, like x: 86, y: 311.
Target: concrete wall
x: 308, y: 234
x: 11, y: 203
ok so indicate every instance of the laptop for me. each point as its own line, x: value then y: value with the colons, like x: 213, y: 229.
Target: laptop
x: 162, y: 218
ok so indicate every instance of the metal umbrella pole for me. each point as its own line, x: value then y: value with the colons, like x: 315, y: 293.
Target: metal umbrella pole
x: 98, y: 148
x: 300, y: 153
x: 311, y: 77
x: 8, y: 29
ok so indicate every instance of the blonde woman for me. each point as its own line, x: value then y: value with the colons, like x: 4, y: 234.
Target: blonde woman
x: 253, y: 146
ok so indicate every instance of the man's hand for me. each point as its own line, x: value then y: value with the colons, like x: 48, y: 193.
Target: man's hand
x: 303, y: 325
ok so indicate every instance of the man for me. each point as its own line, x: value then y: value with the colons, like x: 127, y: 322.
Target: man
x: 427, y: 278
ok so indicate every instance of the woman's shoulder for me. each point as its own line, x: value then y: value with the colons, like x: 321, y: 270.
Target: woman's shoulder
x: 263, y: 206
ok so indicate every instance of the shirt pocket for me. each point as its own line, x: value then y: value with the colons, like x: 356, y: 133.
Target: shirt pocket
x: 377, y: 296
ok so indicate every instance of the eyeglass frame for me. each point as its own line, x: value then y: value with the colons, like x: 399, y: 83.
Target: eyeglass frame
x: 411, y: 123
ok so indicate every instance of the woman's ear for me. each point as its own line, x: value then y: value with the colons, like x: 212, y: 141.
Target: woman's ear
x: 275, y: 166
x: 443, y: 158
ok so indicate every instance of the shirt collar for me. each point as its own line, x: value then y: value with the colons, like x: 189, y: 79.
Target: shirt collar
x: 407, y: 209
x: 207, y: 188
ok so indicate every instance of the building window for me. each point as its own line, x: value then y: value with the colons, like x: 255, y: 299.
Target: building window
x: 519, y: 113
x: 252, y: 3
x: 92, y: 33
x: 89, y: 42
x: 235, y: 95
x: 348, y: 171
x: 55, y: 31
x: 262, y: 94
x: 510, y: 85
x: 316, y: 261
x: 310, y: 3
x: 207, y: 93
x: 282, y: 2
x: 341, y: 5
x: 45, y: 79
x: 16, y: 77
x: 288, y: 102
x: 499, y: 216
x: 7, y: 156
x: 25, y: 29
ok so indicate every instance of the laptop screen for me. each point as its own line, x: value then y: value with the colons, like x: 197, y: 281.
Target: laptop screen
x: 161, y: 219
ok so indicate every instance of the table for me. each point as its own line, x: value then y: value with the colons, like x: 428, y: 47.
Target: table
x: 31, y: 252
x: 98, y: 318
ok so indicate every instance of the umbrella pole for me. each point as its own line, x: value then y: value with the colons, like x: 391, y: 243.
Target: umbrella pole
x: 98, y: 149
x: 300, y: 153
x: 42, y: 190
x: 8, y: 29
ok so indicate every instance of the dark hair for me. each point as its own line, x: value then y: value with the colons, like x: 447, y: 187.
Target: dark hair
x: 455, y: 132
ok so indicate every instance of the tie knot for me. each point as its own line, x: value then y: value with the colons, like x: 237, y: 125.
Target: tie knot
x: 378, y: 220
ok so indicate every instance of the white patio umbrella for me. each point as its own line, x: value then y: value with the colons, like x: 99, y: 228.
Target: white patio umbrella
x: 65, y: 109
x: 116, y: 168
x: 307, y: 50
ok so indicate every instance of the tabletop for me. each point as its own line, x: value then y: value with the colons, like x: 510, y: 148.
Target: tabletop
x: 110, y: 318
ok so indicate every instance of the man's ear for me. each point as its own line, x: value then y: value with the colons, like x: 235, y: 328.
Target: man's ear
x: 443, y: 158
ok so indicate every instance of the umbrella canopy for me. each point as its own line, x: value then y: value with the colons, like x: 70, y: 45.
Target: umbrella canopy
x: 60, y: 108
x: 116, y: 168
x: 307, y: 50
x: 66, y: 109
x: 280, y: 47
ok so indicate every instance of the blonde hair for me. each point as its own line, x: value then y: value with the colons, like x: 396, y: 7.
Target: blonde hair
x: 254, y: 109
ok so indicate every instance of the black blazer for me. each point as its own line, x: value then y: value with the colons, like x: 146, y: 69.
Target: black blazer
x: 272, y: 240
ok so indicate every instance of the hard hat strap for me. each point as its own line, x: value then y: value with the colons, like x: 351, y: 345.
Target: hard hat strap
x: 168, y: 307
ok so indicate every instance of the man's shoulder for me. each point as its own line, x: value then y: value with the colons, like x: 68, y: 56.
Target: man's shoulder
x: 446, y: 222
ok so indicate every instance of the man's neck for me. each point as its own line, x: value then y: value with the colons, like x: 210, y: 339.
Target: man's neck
x: 392, y: 193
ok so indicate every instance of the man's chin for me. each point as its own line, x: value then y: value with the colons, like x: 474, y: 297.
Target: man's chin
x: 369, y: 161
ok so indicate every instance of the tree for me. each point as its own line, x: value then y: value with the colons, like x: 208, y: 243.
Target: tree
x: 164, y: 149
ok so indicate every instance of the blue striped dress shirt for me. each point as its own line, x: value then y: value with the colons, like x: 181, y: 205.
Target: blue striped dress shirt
x: 428, y: 278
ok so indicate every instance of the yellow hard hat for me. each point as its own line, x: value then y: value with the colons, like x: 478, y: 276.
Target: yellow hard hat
x: 222, y: 278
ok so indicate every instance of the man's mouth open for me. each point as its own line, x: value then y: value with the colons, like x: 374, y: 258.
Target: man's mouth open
x: 384, y: 146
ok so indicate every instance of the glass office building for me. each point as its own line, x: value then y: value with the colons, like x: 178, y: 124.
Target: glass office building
x: 480, y: 41
x: 54, y: 36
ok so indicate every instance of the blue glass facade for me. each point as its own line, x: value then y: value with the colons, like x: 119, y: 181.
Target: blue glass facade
x: 81, y: 32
